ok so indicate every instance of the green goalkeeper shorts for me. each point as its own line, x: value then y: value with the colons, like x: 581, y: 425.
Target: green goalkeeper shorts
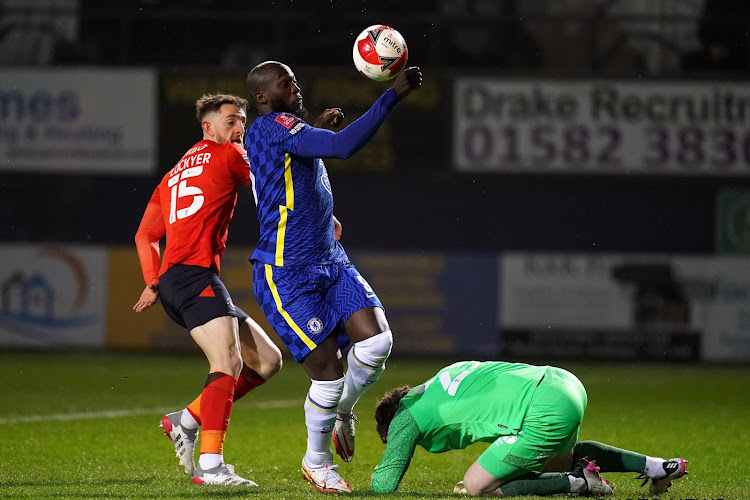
x: 550, y: 428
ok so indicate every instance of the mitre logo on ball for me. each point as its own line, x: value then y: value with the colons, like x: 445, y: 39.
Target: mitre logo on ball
x: 380, y: 52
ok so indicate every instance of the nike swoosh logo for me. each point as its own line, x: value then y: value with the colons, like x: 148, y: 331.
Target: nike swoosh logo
x: 370, y: 295
x: 342, y: 440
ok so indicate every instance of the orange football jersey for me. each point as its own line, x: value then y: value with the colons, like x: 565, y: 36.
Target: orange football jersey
x: 195, y: 201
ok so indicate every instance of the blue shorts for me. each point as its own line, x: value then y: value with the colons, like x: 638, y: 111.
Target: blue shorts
x: 306, y: 304
x: 192, y: 296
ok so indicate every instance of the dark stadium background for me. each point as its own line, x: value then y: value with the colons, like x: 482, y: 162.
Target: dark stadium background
x: 403, y: 192
x: 186, y: 40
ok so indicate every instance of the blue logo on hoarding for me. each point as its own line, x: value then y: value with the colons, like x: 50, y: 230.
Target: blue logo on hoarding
x: 30, y: 301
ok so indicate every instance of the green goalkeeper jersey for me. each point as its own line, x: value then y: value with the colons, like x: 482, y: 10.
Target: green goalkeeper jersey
x: 463, y: 403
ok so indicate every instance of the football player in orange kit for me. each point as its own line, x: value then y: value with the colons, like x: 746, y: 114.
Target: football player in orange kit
x: 192, y: 206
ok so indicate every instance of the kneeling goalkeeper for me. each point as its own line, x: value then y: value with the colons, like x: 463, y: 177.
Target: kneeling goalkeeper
x: 530, y: 414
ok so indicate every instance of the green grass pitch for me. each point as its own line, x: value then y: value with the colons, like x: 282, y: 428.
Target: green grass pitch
x: 86, y: 426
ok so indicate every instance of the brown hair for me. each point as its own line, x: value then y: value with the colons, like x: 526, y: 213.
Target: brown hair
x: 209, y: 103
x: 387, y: 408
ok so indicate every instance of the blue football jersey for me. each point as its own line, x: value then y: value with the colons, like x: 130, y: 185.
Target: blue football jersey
x: 292, y: 194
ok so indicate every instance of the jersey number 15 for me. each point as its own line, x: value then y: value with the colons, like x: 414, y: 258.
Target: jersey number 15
x: 180, y: 189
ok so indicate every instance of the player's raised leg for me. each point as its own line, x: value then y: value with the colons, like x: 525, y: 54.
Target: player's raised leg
x: 365, y: 363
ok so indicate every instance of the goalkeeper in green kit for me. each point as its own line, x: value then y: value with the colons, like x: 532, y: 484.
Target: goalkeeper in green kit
x: 530, y: 414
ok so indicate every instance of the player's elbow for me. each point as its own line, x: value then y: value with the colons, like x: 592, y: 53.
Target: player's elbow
x: 141, y: 239
x: 146, y: 237
x: 343, y: 148
x: 344, y: 153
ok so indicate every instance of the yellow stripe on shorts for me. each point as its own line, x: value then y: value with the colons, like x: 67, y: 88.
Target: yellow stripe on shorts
x: 269, y: 279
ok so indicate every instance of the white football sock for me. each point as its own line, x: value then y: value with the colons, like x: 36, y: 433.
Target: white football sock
x: 577, y: 484
x: 210, y: 460
x: 365, y: 364
x: 320, y: 417
x: 187, y: 421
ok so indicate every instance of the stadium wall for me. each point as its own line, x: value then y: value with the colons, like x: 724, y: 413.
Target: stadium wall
x: 510, y: 305
x: 428, y: 191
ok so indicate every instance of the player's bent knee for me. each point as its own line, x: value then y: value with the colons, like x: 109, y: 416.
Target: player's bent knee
x: 258, y: 351
x: 478, y: 481
x: 236, y: 365
x: 375, y: 350
x: 228, y: 362
x: 560, y: 463
x: 231, y: 363
x: 474, y: 490
x: 270, y: 364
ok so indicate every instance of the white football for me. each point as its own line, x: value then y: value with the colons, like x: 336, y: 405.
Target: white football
x: 380, y: 52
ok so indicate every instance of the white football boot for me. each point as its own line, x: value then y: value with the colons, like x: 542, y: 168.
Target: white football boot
x: 673, y: 469
x: 221, y: 475
x: 343, y: 435
x: 183, y: 440
x: 325, y: 479
x: 596, y: 485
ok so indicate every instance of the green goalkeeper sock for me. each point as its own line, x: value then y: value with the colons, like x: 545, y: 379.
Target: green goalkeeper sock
x: 537, y: 487
x: 609, y: 458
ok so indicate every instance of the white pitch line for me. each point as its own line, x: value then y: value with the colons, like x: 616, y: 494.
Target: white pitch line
x: 89, y: 415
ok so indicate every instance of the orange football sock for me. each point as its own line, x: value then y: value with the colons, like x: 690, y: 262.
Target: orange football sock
x: 248, y: 380
x: 195, y: 409
x: 216, y: 407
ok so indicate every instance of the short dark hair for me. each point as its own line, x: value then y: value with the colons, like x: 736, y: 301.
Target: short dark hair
x: 261, y: 75
x: 208, y: 103
x: 386, y: 409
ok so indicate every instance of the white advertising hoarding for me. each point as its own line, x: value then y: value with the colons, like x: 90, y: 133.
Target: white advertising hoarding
x: 562, y: 291
x: 629, y: 293
x: 598, y: 126
x: 78, y: 120
x: 53, y: 296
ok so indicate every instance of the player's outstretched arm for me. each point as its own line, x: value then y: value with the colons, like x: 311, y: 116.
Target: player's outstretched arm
x: 322, y: 143
x: 403, y: 436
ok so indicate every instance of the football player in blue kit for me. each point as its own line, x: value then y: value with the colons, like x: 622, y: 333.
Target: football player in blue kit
x: 313, y: 297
